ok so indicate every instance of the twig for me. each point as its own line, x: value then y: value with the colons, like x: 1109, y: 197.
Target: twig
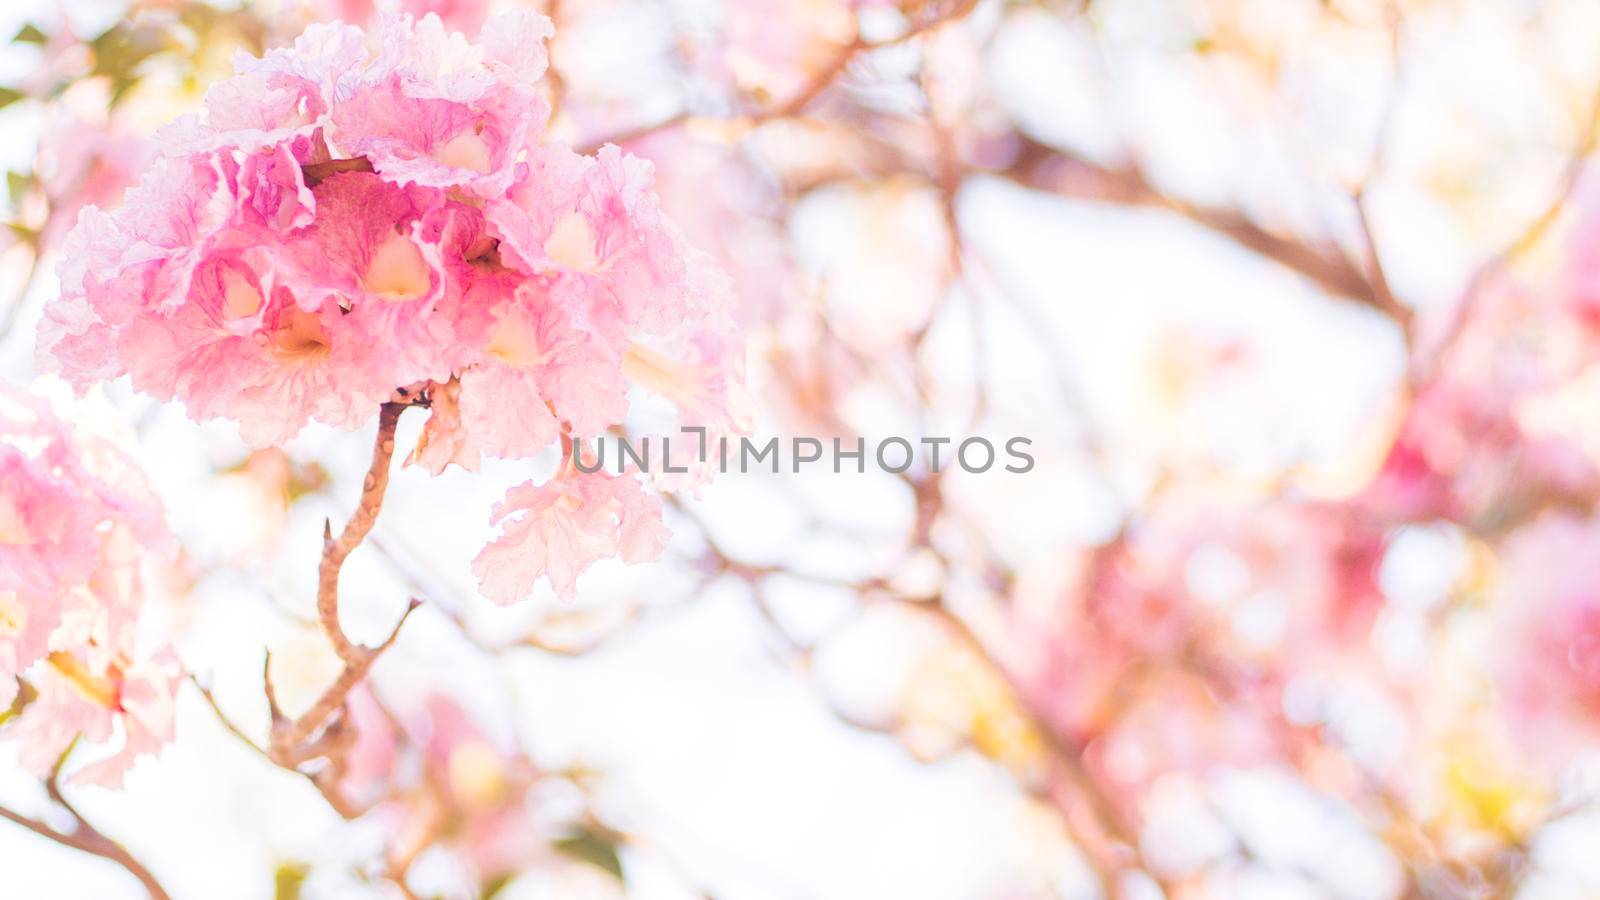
x: 1047, y: 168
x: 316, y: 173
x: 228, y: 723
x: 1383, y: 298
x: 1425, y: 366
x: 88, y: 840
x: 85, y: 837
x: 807, y: 93
x: 552, y: 75
x: 1383, y: 294
x: 289, y: 735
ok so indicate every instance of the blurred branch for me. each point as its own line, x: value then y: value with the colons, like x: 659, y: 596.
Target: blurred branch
x: 83, y: 836
x: 1042, y: 167
x: 324, y: 785
x: 86, y: 838
x: 1383, y: 298
x: 1376, y: 274
x: 1425, y: 365
x: 813, y: 87
x: 1070, y: 789
x: 557, y: 81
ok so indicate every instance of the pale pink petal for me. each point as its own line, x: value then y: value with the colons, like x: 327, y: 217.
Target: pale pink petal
x: 558, y: 529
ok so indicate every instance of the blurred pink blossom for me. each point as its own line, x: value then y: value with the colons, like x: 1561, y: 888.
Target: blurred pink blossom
x: 77, y: 521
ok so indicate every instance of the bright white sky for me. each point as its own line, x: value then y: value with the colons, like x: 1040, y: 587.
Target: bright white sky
x: 715, y: 748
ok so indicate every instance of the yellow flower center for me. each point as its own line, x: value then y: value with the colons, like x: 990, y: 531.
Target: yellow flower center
x: 13, y: 615
x: 397, y: 271
x: 465, y: 151
x: 664, y: 376
x: 240, y: 299
x: 515, y: 342
x: 477, y: 777
x: 300, y: 335
x: 97, y: 689
x: 571, y: 243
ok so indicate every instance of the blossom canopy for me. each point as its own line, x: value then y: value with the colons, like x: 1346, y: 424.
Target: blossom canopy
x: 346, y: 218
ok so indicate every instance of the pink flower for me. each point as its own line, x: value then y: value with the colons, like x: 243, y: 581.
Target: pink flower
x: 1193, y: 623
x: 769, y: 46
x: 437, y: 111
x: 76, y: 523
x: 274, y: 100
x: 64, y: 58
x: 1499, y: 426
x: 704, y: 381
x: 542, y: 365
x: 1547, y: 655
x: 82, y: 163
x: 372, y: 759
x: 449, y: 784
x: 74, y: 701
x: 444, y: 439
x: 561, y: 527
x: 340, y: 222
x: 730, y: 209
x: 594, y: 227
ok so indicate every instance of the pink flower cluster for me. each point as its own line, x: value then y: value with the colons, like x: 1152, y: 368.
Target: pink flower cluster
x: 434, y: 777
x: 1245, y: 597
x: 76, y: 522
x: 339, y: 222
x: 1547, y: 620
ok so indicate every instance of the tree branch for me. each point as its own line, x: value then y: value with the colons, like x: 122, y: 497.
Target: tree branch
x: 1042, y: 167
x: 334, y: 552
x: 288, y: 745
x: 316, y: 173
x: 88, y: 839
x: 810, y: 90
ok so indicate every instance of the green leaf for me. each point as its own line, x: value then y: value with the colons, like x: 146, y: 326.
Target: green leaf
x: 495, y: 885
x: 202, y: 19
x: 9, y: 96
x: 587, y: 845
x: 17, y: 184
x: 30, y: 34
x: 24, y: 233
x: 122, y: 49
x: 288, y: 879
x: 25, y: 695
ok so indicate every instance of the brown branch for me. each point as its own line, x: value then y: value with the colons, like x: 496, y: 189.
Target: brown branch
x: 824, y: 77
x: 1426, y: 365
x: 1383, y: 298
x: 552, y: 75
x: 228, y: 723
x: 316, y: 173
x: 288, y: 745
x: 1070, y: 789
x: 1041, y: 167
x: 85, y: 837
x: 807, y: 93
x: 1383, y: 294
x: 334, y: 552
x: 326, y: 786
